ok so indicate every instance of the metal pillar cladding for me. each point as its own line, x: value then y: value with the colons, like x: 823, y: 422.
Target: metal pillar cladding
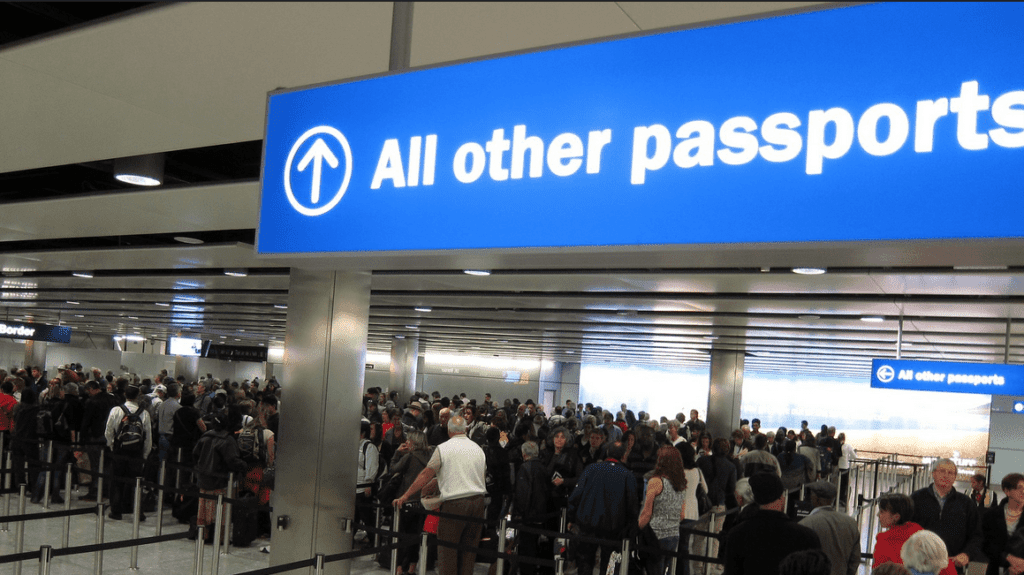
x: 404, y: 361
x: 725, y: 392
x: 188, y: 366
x: 324, y: 366
x: 35, y: 354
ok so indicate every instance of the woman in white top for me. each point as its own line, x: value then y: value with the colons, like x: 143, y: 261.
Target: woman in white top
x: 809, y: 449
x: 690, y: 508
x: 846, y: 456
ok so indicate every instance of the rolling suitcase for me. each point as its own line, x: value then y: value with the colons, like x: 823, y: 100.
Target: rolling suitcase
x: 243, y: 521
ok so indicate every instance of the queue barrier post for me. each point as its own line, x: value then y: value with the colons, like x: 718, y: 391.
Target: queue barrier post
x: 672, y: 566
x: 395, y: 522
x: 624, y: 566
x: 228, y: 514
x: 318, y: 566
x: 160, y: 499
x: 9, y: 471
x: 177, y: 472
x: 67, y: 505
x: 707, y: 541
x: 560, y: 566
x: 136, y: 520
x: 99, y: 483
x: 378, y: 516
x: 197, y: 562
x: 502, y: 530
x: 421, y: 567
x: 217, y: 528
x: 563, y: 524
x: 49, y: 474
x: 45, y: 556
x: 97, y: 558
x: 19, y: 538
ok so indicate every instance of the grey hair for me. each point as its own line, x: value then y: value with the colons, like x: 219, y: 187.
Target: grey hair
x: 943, y: 461
x: 744, y: 490
x: 925, y: 552
x: 529, y: 450
x: 418, y: 440
x: 457, y: 424
x: 673, y: 424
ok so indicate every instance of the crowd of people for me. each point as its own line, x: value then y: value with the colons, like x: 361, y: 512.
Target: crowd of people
x: 623, y: 475
x: 131, y: 424
x: 616, y: 475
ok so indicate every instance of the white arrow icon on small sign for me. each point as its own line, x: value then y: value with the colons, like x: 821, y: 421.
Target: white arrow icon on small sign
x: 317, y: 154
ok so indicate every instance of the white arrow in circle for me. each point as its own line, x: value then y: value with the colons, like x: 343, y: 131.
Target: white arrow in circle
x: 317, y: 153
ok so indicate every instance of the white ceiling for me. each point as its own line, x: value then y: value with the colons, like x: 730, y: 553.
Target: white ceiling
x: 191, y: 75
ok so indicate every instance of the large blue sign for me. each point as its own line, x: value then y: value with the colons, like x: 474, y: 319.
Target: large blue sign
x: 986, y: 378
x: 873, y: 122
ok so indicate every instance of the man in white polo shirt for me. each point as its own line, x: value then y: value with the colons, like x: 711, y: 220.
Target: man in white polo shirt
x: 459, y: 465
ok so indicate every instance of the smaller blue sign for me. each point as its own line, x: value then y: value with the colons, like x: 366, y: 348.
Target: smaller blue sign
x: 986, y: 378
x: 36, y: 332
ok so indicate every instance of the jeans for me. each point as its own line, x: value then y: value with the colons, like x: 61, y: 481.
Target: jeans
x: 657, y: 564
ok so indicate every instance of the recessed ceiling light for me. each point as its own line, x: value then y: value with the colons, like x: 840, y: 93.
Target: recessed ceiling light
x: 146, y: 170
x: 236, y: 339
x: 570, y: 352
x: 82, y: 274
x: 236, y: 273
x: 72, y: 302
x: 477, y: 272
x: 399, y: 337
x: 711, y: 337
x: 809, y: 316
x: 422, y: 309
x: 873, y: 318
x: 133, y: 317
x: 162, y: 304
x: 411, y: 327
x: 809, y: 271
x: 223, y: 337
x: 279, y: 306
x: 79, y: 315
x: 261, y: 343
x: 188, y: 240
x: 907, y: 344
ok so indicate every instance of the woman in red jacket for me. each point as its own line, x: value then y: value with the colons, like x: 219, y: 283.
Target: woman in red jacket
x: 895, y: 511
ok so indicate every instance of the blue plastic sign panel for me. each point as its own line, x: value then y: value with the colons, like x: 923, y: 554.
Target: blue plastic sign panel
x: 986, y: 378
x: 36, y: 332
x: 873, y: 122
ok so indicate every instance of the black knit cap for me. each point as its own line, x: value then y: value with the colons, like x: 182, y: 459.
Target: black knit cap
x: 767, y: 487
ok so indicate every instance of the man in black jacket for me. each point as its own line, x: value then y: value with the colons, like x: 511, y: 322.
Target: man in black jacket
x: 605, y: 505
x: 951, y: 514
x: 95, y: 410
x: 531, y: 502
x: 760, y: 543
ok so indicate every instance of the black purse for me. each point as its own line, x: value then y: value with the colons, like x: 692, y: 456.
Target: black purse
x: 389, y: 488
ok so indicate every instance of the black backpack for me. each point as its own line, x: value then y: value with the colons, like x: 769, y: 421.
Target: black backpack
x: 251, y: 448
x: 826, y: 459
x: 130, y: 436
x: 51, y: 422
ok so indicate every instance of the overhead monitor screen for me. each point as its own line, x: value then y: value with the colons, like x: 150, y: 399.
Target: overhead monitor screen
x: 184, y: 346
